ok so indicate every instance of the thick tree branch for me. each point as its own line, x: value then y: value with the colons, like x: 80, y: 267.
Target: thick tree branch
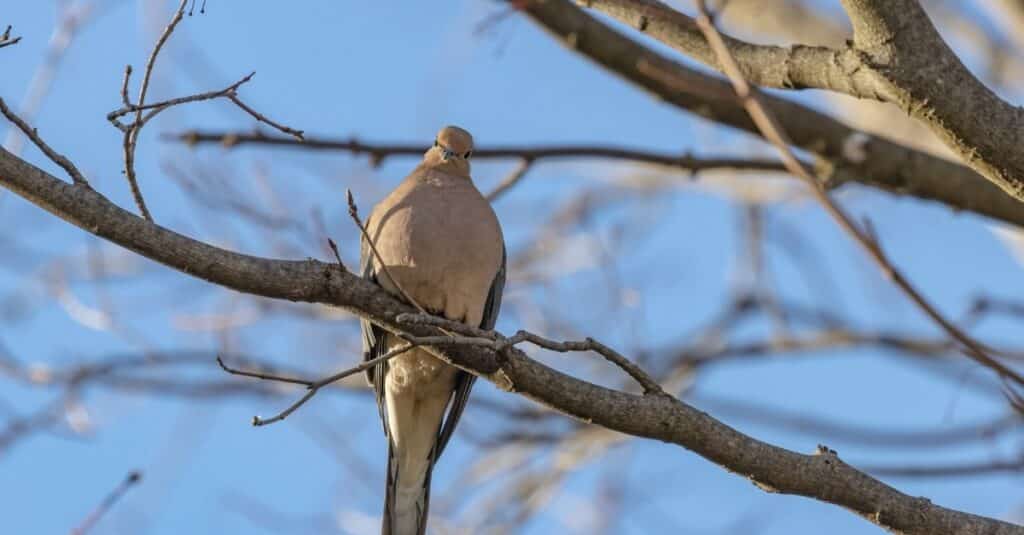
x: 792, y: 67
x: 928, y: 81
x: 897, y: 56
x: 851, y: 155
x: 822, y: 476
x: 863, y: 235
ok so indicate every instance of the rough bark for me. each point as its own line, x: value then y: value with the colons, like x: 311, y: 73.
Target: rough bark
x: 783, y: 67
x: 927, y: 80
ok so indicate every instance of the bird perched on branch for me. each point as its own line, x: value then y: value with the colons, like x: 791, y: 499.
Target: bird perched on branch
x: 439, y: 245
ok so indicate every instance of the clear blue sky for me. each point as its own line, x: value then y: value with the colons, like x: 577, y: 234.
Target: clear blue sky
x: 340, y: 69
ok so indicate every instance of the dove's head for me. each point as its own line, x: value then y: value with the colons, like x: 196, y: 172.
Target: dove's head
x: 452, y: 150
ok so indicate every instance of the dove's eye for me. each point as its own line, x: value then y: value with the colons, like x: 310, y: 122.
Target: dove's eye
x: 468, y: 154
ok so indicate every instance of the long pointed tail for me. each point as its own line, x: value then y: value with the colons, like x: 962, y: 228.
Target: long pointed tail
x: 406, y: 498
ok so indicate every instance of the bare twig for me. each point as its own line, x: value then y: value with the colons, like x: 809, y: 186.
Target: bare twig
x: 589, y: 344
x: 771, y: 130
x: 511, y: 180
x: 882, y: 164
x: 468, y: 335
x: 131, y: 136
x: 202, y: 8
x: 148, y: 74
x: 133, y: 477
x: 33, y: 135
x: 475, y: 336
x: 297, y: 134
x: 131, y: 131
x: 380, y: 151
x: 6, y: 39
x: 262, y: 375
x: 312, y: 386
x: 158, y: 107
x: 337, y: 255
x: 124, y: 86
x: 353, y: 211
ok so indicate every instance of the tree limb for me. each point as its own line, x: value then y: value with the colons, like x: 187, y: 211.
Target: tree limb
x: 782, y: 67
x: 875, y: 161
x: 863, y: 234
x: 897, y: 56
x: 822, y: 476
x: 928, y: 81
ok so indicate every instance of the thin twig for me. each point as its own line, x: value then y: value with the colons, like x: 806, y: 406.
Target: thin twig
x: 33, y: 135
x: 148, y: 74
x: 511, y: 180
x: 157, y: 107
x: 6, y: 39
x: 771, y: 130
x: 337, y: 255
x: 456, y: 327
x: 131, y: 131
x: 366, y: 365
x: 124, y: 86
x: 261, y: 375
x: 202, y: 8
x: 470, y: 335
x: 131, y: 135
x: 353, y: 211
x: 380, y: 151
x: 589, y: 344
x: 108, y: 502
x: 297, y: 134
x: 312, y: 386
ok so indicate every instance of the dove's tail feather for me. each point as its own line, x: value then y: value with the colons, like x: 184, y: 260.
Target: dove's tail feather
x: 406, y: 498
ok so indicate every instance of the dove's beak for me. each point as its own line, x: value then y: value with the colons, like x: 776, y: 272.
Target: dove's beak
x: 447, y: 154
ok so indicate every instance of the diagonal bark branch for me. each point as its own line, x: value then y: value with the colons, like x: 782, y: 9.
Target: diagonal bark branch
x: 896, y: 56
x: 863, y: 235
x: 822, y: 475
x: 782, y: 67
x: 876, y: 161
x: 927, y: 80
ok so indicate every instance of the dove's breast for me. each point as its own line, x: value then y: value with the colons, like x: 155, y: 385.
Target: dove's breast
x: 439, y: 237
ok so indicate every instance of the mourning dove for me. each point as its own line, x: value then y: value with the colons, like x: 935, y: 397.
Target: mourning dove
x: 440, y: 240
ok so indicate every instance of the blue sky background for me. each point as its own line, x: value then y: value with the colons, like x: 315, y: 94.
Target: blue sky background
x: 397, y: 74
